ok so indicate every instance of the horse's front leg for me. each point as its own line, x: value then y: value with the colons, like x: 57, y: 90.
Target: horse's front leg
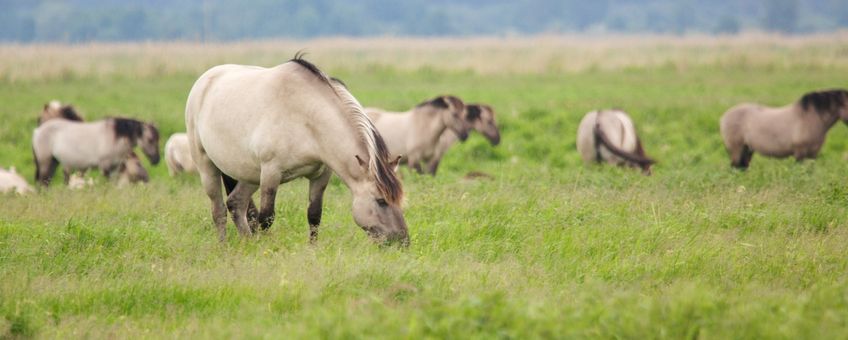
x: 317, y: 186
x: 269, y: 180
x: 237, y: 203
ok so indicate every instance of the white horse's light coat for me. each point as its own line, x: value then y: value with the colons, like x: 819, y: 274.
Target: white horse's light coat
x: 11, y: 181
x: 267, y: 126
x: 178, y: 155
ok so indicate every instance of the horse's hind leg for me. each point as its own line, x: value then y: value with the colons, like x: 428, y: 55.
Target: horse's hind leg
x: 252, y: 213
x: 237, y: 202
x: 317, y: 186
x: 210, y: 178
x: 268, y: 182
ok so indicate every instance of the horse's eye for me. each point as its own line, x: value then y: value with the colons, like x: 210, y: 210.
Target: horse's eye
x: 382, y: 202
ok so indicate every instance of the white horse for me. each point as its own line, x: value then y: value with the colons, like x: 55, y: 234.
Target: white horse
x: 414, y: 134
x: 480, y: 117
x: 263, y: 127
x: 11, y: 181
x: 796, y: 130
x: 609, y: 136
x: 78, y: 146
x: 178, y: 154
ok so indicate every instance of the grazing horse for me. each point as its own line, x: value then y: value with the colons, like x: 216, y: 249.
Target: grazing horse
x: 609, y: 136
x: 10, y: 181
x: 797, y: 129
x: 55, y: 110
x: 257, y: 128
x: 480, y: 117
x: 414, y: 134
x: 178, y: 154
x: 78, y: 146
x: 131, y: 171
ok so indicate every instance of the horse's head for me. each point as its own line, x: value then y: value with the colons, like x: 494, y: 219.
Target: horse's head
x: 149, y: 142
x: 482, y: 118
x: 377, y: 202
x: 828, y: 102
x: 134, y: 170
x: 452, y: 112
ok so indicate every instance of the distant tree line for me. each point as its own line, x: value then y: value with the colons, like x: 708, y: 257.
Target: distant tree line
x: 220, y: 20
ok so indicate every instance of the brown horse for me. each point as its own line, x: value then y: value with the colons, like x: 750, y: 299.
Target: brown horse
x: 797, y: 129
x: 609, y: 136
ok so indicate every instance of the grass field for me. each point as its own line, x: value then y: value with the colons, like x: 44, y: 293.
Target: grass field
x: 549, y: 248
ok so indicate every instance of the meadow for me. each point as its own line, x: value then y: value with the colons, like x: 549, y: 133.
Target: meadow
x: 549, y: 248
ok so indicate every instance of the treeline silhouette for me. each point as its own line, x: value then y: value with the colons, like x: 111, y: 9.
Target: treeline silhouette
x: 219, y: 20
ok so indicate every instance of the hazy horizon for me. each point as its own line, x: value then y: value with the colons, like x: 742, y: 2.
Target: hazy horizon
x: 75, y: 21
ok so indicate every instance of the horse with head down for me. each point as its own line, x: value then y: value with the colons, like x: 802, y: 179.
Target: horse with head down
x: 797, y: 129
x: 79, y: 146
x: 480, y: 117
x: 254, y: 128
x: 609, y: 136
x: 414, y: 135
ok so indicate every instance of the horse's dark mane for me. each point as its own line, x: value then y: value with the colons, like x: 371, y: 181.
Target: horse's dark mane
x: 298, y: 58
x: 387, y: 181
x: 127, y: 128
x: 824, y: 102
x: 473, y: 112
x: 338, y: 81
x: 439, y: 102
x: 69, y: 113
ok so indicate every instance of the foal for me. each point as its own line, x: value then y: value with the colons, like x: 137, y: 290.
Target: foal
x: 178, y: 155
x: 414, y: 135
x: 798, y: 129
x: 609, y: 136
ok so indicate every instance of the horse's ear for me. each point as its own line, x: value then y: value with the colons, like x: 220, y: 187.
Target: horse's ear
x: 395, y: 164
x: 361, y: 162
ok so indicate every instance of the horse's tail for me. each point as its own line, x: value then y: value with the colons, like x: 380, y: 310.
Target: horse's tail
x: 640, y: 159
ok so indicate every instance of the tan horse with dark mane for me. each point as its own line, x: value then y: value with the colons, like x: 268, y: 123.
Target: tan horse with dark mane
x: 130, y: 171
x: 480, y: 117
x: 414, y: 135
x: 798, y: 129
x: 256, y: 128
x: 609, y: 136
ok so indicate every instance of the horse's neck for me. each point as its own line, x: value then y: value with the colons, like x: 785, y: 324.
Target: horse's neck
x: 427, y: 126
x: 340, y: 142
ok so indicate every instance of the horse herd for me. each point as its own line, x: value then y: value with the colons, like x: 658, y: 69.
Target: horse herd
x: 251, y: 129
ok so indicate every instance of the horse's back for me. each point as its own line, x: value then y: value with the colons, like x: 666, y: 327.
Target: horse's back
x: 242, y: 116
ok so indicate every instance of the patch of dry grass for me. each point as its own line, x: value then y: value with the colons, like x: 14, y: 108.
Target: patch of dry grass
x: 514, y: 55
